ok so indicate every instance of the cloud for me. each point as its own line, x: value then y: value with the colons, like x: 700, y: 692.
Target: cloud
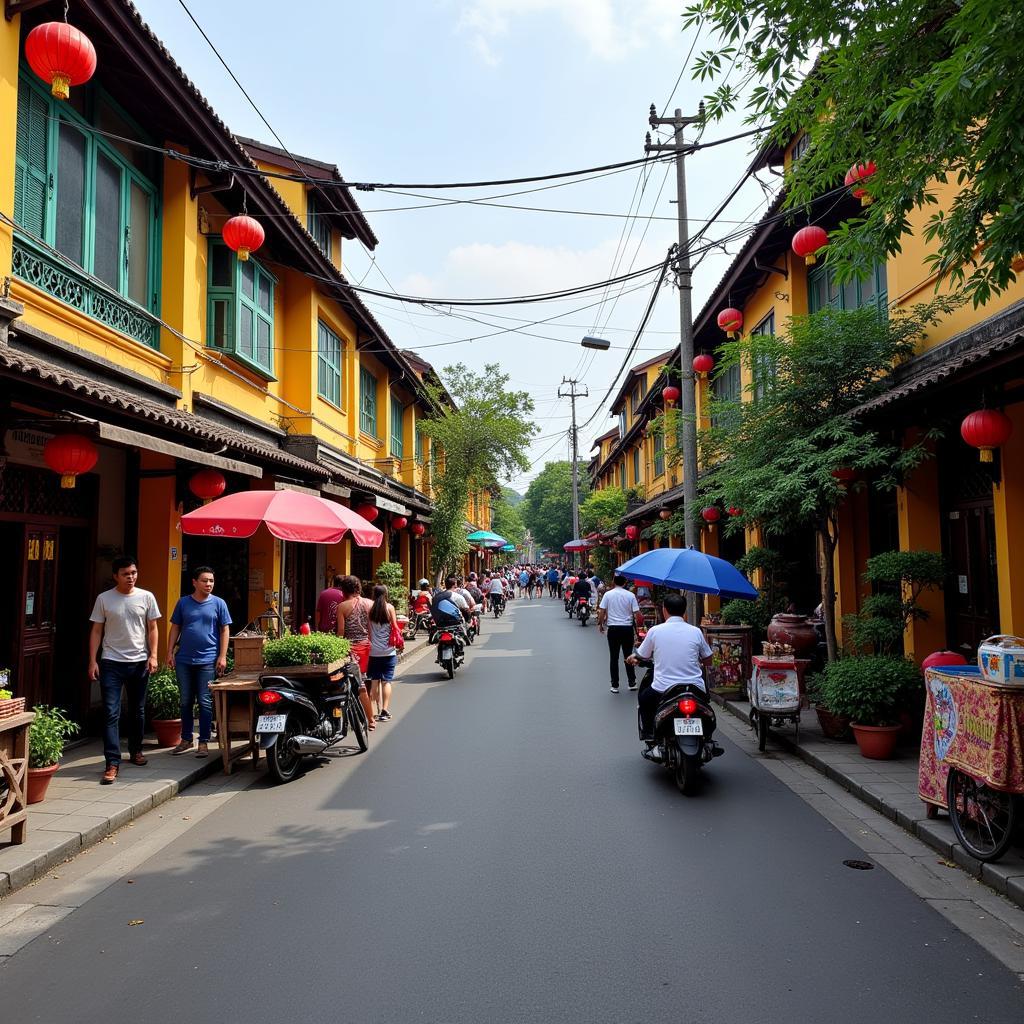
x: 609, y: 28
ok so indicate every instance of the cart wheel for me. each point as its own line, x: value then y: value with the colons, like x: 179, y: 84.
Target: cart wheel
x: 982, y: 817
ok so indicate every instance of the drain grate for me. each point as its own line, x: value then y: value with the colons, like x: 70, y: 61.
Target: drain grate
x: 859, y: 865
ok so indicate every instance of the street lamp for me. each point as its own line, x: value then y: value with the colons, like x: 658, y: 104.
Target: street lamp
x: 597, y: 343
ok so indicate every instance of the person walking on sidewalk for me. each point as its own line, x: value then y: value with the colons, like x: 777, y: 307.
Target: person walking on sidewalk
x: 327, y: 606
x: 619, y: 612
x: 122, y: 653
x: 383, y: 654
x: 199, y: 629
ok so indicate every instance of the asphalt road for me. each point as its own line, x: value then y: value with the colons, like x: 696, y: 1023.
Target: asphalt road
x: 501, y: 854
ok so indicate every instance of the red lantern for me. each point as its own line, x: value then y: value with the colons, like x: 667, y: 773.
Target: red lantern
x: 703, y: 363
x: 986, y: 429
x: 858, y: 173
x: 670, y: 394
x: 399, y: 523
x: 243, y: 234
x: 207, y: 484
x: 942, y: 658
x: 731, y: 321
x: 418, y: 529
x: 710, y: 514
x: 808, y: 242
x: 734, y: 511
x: 69, y: 455
x: 632, y: 532
x: 664, y: 515
x: 60, y: 55
x: 843, y: 474
x: 368, y: 512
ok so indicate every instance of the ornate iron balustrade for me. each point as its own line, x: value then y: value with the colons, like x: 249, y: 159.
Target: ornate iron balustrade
x: 34, y: 264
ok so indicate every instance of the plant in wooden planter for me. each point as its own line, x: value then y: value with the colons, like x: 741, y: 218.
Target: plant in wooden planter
x: 871, y: 691
x: 294, y: 649
x: 47, y: 736
x: 163, y: 707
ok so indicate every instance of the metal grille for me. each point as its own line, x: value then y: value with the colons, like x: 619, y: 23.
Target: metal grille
x: 34, y: 492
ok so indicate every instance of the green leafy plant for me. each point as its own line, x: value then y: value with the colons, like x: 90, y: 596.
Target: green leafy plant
x: 749, y: 613
x: 163, y: 696
x: 392, y: 575
x: 6, y: 695
x: 869, y: 689
x: 47, y: 735
x: 309, y: 649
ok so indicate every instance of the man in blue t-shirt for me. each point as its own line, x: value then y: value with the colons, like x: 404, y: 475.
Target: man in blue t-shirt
x: 199, y: 630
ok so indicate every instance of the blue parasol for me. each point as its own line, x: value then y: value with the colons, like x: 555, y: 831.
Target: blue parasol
x: 687, y: 569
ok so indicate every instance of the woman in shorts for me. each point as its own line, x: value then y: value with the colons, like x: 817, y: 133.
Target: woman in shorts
x: 353, y: 624
x: 383, y: 656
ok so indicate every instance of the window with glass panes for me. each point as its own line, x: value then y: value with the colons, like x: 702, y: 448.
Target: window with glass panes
x: 318, y: 224
x: 823, y: 290
x: 764, y: 368
x: 397, y: 416
x: 622, y: 474
x: 636, y: 466
x: 622, y: 423
x: 240, y: 315
x: 659, y: 453
x: 726, y: 387
x: 329, y: 363
x: 367, y: 402
x: 91, y: 198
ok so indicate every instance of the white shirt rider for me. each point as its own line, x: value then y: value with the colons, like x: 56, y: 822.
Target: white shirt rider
x: 677, y: 649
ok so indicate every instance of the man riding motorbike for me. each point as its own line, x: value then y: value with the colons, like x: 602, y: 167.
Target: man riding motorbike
x: 449, y: 609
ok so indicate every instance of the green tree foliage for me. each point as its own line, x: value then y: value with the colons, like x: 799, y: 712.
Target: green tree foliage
x: 484, y: 438
x: 507, y: 521
x: 603, y: 510
x: 774, y: 457
x: 547, y: 506
x: 392, y: 576
x: 930, y: 90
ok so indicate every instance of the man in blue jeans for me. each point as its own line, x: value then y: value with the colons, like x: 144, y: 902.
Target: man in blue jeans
x: 199, y: 629
x: 124, y: 625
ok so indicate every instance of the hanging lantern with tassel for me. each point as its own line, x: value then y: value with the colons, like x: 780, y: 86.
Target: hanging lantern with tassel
x: 808, y: 242
x: 243, y: 234
x: 731, y: 321
x: 61, y: 55
x: 70, y: 455
x: 856, y: 174
x: 986, y: 430
x: 207, y: 484
x: 703, y: 363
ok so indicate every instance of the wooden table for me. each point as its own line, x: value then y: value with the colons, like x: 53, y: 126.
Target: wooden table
x: 234, y: 706
x: 14, y: 769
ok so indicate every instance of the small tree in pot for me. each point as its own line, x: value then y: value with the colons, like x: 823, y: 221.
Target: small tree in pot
x: 47, y: 735
x: 163, y: 707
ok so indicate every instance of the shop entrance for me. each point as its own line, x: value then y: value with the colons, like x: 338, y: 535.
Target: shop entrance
x: 229, y: 560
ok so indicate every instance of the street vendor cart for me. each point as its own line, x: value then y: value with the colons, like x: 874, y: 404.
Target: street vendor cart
x: 774, y: 692
x: 972, y: 756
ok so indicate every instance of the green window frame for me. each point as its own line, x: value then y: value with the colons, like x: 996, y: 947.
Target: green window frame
x: 419, y: 447
x: 330, y: 363
x: 622, y: 475
x: 636, y: 466
x: 318, y: 225
x: 80, y: 195
x: 726, y: 387
x: 397, y: 418
x: 764, y: 369
x: 823, y: 291
x: 659, y: 453
x: 367, y: 402
x: 240, y: 308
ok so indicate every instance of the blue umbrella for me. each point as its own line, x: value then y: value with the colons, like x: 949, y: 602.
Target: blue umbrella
x: 686, y: 569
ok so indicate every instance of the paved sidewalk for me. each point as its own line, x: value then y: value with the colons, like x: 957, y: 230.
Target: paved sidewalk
x: 890, y: 787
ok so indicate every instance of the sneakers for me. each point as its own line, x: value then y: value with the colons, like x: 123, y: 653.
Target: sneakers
x: 653, y: 753
x: 632, y: 686
x: 384, y: 716
x: 614, y: 688
x: 204, y: 750
x: 183, y: 747
x: 110, y: 775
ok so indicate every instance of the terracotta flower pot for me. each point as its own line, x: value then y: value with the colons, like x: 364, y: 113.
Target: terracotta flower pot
x: 168, y: 731
x: 39, y: 782
x: 876, y: 741
x: 796, y: 630
x: 834, y: 727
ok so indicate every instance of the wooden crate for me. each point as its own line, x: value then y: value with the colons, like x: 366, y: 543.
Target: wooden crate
x: 248, y: 652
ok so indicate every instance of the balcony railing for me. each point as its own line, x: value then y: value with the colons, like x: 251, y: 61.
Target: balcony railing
x: 32, y: 263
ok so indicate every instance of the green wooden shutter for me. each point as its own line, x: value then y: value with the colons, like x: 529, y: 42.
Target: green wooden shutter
x: 31, y: 189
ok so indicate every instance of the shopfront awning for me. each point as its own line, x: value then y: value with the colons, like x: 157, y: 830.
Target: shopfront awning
x: 136, y: 439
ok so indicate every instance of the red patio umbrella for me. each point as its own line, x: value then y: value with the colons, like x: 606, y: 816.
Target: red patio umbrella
x: 289, y: 515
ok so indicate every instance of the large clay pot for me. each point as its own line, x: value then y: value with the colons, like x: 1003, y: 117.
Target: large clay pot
x: 876, y: 741
x: 796, y: 630
x: 168, y: 731
x: 833, y: 727
x: 39, y: 783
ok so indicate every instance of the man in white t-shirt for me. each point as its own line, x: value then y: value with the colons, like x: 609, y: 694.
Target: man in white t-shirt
x: 619, y: 612
x: 124, y: 625
x: 678, y: 651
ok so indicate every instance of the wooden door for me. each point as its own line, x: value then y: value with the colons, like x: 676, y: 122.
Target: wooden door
x: 972, y: 595
x: 39, y: 613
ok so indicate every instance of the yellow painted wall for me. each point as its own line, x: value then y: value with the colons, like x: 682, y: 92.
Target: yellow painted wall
x: 1009, y: 523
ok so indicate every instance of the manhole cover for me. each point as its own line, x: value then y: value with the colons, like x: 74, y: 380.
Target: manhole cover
x: 859, y: 865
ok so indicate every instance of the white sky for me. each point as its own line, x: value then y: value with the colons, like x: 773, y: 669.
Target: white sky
x: 468, y: 90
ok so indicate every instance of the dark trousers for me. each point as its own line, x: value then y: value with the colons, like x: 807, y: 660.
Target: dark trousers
x: 133, y: 678
x: 620, y: 639
x: 648, y: 700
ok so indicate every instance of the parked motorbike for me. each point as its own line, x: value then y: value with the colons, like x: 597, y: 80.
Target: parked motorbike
x: 684, y: 726
x: 583, y: 610
x: 418, y: 621
x: 308, y: 716
x: 451, y: 652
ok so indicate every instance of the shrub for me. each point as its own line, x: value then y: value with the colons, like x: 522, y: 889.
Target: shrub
x: 47, y: 736
x: 749, y: 613
x: 309, y: 649
x: 870, y: 689
x: 392, y: 575
x: 6, y: 695
x: 163, y: 696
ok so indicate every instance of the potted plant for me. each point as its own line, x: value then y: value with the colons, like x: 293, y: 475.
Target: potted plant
x: 163, y: 706
x: 47, y: 735
x: 871, y: 691
x: 833, y: 726
x: 295, y: 649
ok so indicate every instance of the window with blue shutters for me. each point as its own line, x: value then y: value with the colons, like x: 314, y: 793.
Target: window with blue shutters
x: 318, y: 224
x: 659, y: 453
x: 397, y: 416
x: 367, y: 402
x: 329, y: 364
x: 240, y: 308
x: 823, y: 290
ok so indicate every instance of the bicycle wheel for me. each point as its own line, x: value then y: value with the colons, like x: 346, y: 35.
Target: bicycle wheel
x: 357, y: 719
x: 983, y: 818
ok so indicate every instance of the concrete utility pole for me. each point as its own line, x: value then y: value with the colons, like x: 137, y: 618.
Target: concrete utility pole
x: 688, y: 397
x: 572, y: 394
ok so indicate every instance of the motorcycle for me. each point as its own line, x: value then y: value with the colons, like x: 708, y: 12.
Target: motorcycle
x: 583, y: 610
x: 418, y: 621
x: 308, y: 716
x: 450, y: 651
x: 498, y: 605
x: 567, y: 603
x: 472, y: 628
x: 684, y: 725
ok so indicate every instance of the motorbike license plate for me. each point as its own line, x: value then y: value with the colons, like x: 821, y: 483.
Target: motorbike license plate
x: 689, y: 727
x: 446, y: 654
x: 270, y: 723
